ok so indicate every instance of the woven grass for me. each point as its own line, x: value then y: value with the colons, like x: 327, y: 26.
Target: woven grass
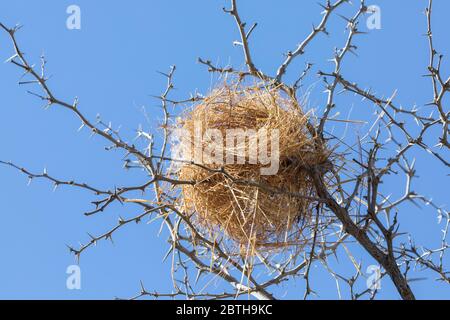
x: 261, y: 212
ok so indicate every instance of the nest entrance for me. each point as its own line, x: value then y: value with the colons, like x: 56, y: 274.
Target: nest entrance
x: 264, y: 211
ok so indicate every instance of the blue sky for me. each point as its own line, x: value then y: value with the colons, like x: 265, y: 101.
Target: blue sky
x: 111, y: 64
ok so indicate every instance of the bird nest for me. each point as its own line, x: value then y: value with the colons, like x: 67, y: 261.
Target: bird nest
x: 260, y: 195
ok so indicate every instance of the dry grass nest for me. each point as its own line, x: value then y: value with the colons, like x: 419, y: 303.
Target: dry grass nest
x: 253, y: 210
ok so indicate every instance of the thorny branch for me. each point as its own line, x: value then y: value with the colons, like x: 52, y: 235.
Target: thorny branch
x: 351, y: 208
